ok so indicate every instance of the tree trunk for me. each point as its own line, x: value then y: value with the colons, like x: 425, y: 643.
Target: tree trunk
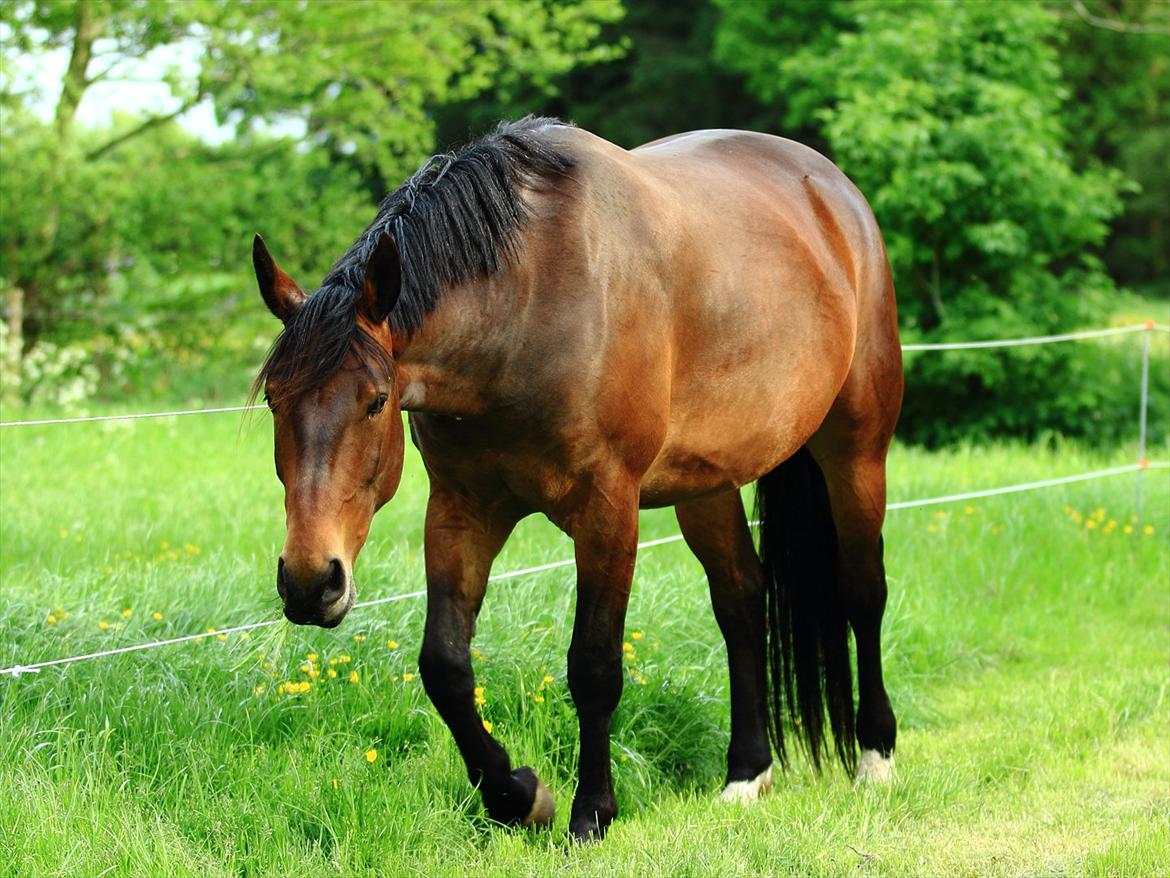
x: 87, y: 29
x: 10, y: 368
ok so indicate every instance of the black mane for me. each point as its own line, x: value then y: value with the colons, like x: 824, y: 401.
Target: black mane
x: 457, y: 218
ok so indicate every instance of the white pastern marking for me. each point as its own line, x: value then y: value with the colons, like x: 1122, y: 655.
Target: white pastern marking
x: 744, y: 791
x: 873, y: 767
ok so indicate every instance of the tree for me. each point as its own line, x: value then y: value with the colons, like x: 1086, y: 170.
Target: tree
x: 947, y: 115
x: 359, y: 76
x: 665, y: 81
x: 1115, y: 57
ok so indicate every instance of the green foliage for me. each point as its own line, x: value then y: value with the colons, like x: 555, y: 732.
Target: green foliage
x: 665, y: 81
x: 1118, y: 111
x: 948, y: 116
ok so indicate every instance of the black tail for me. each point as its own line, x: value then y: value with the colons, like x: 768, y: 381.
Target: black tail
x: 808, y: 632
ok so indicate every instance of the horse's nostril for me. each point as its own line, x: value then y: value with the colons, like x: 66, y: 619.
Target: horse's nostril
x: 281, y: 587
x: 334, y: 584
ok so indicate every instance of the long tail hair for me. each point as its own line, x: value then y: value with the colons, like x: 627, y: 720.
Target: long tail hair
x: 809, y: 670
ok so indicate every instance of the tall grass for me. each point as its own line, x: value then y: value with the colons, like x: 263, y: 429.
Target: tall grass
x: 1026, y: 655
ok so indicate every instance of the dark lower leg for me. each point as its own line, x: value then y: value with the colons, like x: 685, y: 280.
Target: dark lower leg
x: 865, y: 589
x: 595, y: 681
x: 716, y: 530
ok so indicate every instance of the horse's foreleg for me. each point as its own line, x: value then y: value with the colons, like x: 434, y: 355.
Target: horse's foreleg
x: 462, y: 539
x: 716, y: 530
x: 605, y: 534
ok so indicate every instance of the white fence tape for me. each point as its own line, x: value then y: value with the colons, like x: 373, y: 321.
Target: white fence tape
x: 17, y: 670
x: 1149, y: 326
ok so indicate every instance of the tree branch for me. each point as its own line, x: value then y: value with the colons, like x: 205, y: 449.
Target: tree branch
x: 142, y: 128
x: 1121, y: 27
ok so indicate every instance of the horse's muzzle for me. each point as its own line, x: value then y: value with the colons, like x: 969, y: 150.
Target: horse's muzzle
x: 321, y: 599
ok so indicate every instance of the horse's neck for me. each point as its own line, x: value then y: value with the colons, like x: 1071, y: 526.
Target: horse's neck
x: 451, y: 364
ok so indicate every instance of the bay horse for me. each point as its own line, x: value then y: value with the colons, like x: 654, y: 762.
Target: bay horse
x: 580, y: 330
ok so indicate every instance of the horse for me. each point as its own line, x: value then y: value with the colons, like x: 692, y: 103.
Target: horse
x: 580, y: 330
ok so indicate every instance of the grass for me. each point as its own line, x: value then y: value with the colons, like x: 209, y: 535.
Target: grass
x: 1026, y: 656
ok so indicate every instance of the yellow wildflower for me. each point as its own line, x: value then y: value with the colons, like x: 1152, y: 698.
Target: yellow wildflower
x: 51, y: 619
x: 103, y: 625
x: 392, y: 644
x: 1127, y: 529
x: 58, y: 612
x: 157, y: 616
x: 314, y: 674
x: 539, y: 699
x: 344, y: 659
x: 336, y: 784
x: 259, y: 690
x: 1091, y: 524
x: 221, y: 637
x: 331, y: 674
x: 627, y: 646
x: 359, y: 638
x: 487, y: 726
x: 311, y: 656
x: 479, y: 691
x: 64, y: 534
x: 164, y: 545
x: 406, y: 678
x: 637, y: 635
x: 371, y: 755
x: 127, y: 613
x: 1148, y: 530
x: 354, y: 677
x: 306, y: 667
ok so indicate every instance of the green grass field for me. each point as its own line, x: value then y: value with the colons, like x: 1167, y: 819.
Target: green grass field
x: 1026, y: 653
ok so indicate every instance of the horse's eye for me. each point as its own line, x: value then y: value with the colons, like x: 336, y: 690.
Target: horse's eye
x: 268, y: 402
x: 377, y: 405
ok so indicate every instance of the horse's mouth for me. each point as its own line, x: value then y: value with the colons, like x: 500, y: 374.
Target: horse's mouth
x: 326, y: 617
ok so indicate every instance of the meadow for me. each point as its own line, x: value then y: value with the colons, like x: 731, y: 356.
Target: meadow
x: 1026, y: 647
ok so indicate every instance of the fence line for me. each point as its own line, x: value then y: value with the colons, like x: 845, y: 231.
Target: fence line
x: 16, y: 671
x: 1148, y: 326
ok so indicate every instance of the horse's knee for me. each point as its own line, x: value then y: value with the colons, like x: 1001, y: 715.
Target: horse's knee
x: 595, y: 680
x: 446, y: 672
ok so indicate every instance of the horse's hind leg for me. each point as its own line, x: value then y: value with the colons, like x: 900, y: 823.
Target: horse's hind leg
x: 857, y: 495
x: 717, y: 532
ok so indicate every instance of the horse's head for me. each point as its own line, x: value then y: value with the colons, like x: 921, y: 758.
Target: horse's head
x: 331, y: 385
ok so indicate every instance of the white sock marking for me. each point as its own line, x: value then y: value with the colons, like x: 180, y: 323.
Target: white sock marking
x: 745, y: 791
x: 873, y: 767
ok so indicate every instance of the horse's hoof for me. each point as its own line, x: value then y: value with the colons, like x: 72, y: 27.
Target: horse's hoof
x: 589, y: 822
x: 586, y: 831
x: 875, y: 768
x: 745, y: 791
x: 544, y: 808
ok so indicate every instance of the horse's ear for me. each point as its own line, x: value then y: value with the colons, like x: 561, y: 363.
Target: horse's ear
x: 281, y: 293
x: 383, y: 280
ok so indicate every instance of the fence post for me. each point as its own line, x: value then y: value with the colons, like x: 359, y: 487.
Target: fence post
x: 1143, y: 463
